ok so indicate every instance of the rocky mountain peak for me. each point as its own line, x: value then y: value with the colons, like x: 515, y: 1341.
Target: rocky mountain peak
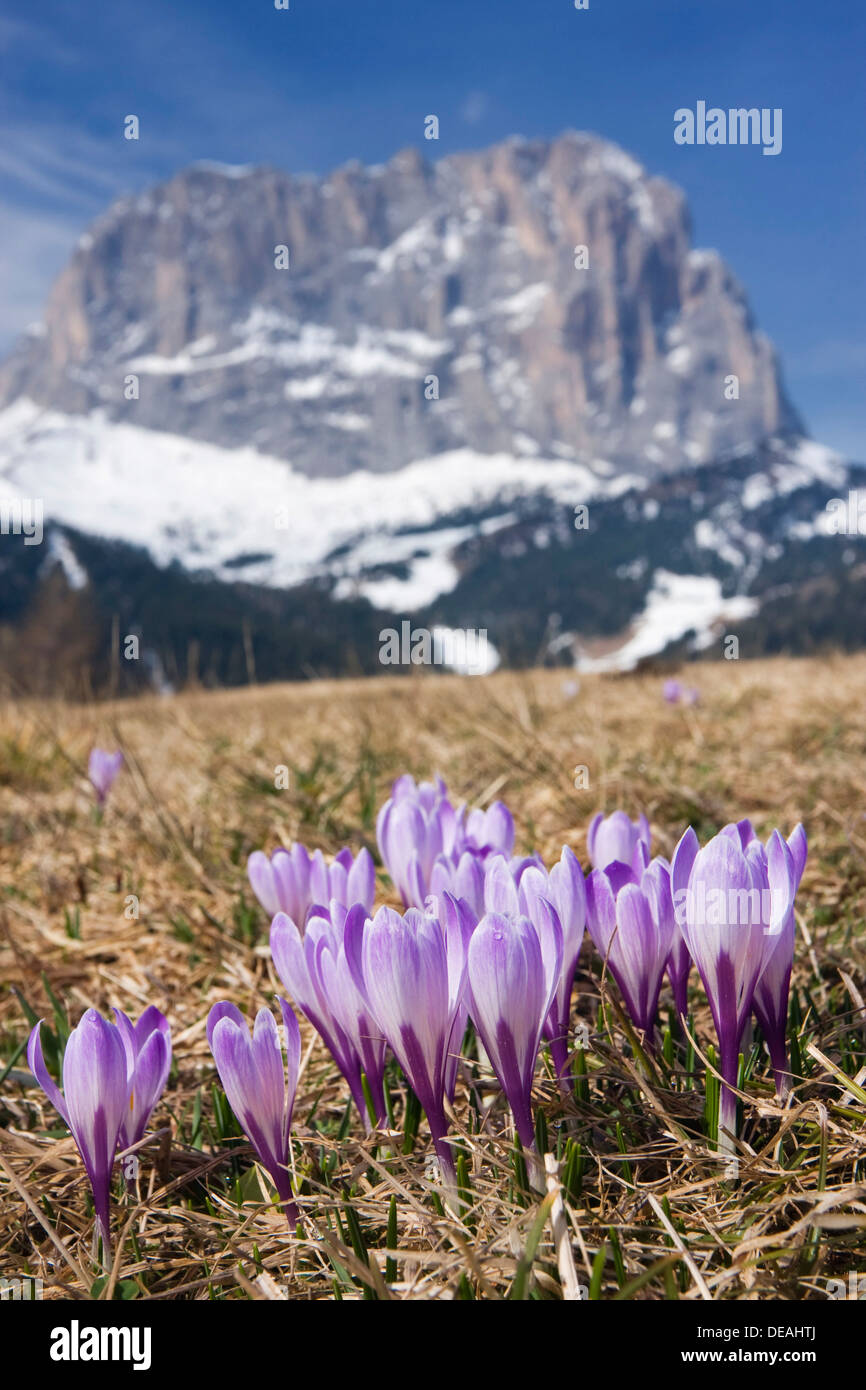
x: 537, y: 298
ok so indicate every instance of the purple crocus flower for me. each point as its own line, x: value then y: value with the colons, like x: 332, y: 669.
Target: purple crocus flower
x: 486, y: 832
x: 672, y: 692
x: 148, y: 1060
x: 315, y: 971
x: 519, y: 891
x: 94, y: 1102
x: 251, y: 1071
x: 292, y: 880
x: 513, y: 969
x: 770, y: 1004
x: 616, y: 839
x: 411, y: 970
x: 630, y: 917
x: 463, y: 879
x: 102, y: 768
x: 416, y: 827
x: 729, y: 898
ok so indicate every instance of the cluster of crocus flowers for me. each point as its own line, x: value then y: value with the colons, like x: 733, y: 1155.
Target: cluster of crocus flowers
x: 113, y: 1076
x: 102, y: 768
x: 293, y: 880
x: 484, y: 937
x: 429, y: 847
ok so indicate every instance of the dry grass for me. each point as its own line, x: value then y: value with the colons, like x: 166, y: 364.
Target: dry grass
x: 647, y: 1201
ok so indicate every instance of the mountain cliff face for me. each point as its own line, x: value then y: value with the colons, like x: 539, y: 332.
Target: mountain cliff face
x: 464, y: 271
x: 256, y: 469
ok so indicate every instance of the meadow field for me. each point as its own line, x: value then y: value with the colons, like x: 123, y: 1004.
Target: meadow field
x: 151, y: 905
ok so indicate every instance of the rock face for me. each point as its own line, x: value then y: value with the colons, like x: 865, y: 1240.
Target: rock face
x: 425, y: 307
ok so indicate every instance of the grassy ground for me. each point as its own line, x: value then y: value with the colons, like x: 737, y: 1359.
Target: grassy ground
x: 649, y: 1210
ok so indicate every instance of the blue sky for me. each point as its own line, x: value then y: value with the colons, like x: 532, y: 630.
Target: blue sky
x: 332, y: 80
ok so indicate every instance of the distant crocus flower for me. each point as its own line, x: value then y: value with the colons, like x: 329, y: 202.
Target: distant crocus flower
x: 148, y: 1059
x: 691, y: 696
x: 293, y: 880
x: 411, y: 970
x: 672, y: 692
x: 520, y: 891
x: 94, y: 1102
x: 513, y: 969
x: 616, y: 839
x: 251, y: 1071
x: 102, y: 768
x: 630, y: 917
x: 770, y: 1004
x: 315, y: 971
x: 729, y: 898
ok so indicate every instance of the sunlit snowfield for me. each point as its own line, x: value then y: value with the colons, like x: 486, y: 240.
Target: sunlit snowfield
x: 648, y: 1209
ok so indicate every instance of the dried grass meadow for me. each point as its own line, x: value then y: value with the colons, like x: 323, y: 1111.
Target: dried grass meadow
x: 639, y: 1202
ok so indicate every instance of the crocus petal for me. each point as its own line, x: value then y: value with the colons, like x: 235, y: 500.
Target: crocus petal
x: 36, y: 1062
x: 500, y: 890
x: 362, y: 880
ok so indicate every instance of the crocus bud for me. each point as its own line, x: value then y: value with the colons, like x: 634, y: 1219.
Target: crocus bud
x: 630, y: 918
x: 513, y: 969
x: 771, y: 992
x: 251, y: 1072
x: 729, y: 898
x: 616, y: 839
x: 411, y: 971
x: 94, y: 1102
x: 314, y: 970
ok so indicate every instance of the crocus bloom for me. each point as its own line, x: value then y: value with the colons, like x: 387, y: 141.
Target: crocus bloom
x: 770, y: 1004
x: 94, y: 1102
x: 730, y: 897
x: 251, y: 1071
x: 616, y: 839
x: 292, y: 880
x: 513, y: 969
x: 486, y: 832
x: 102, y: 768
x: 630, y: 917
x: 411, y: 970
x: 315, y: 971
x: 519, y: 893
x: 148, y: 1059
x: 416, y: 826
x: 672, y: 692
x: 464, y: 879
